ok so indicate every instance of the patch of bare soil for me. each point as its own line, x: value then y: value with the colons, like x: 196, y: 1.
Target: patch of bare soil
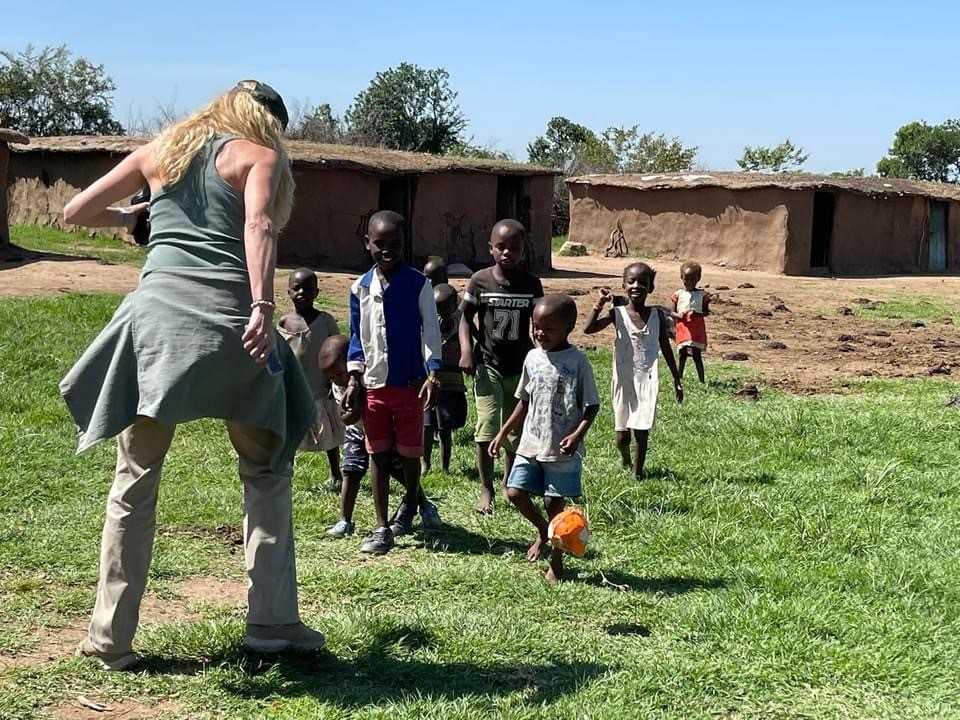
x: 788, y: 327
x: 84, y: 708
x: 52, y: 277
x: 55, y: 643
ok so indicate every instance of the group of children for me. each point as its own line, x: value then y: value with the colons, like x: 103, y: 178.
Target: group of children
x: 397, y: 381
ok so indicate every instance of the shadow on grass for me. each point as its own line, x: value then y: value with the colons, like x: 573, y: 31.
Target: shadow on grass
x: 668, y: 585
x: 456, y: 539
x: 384, y: 673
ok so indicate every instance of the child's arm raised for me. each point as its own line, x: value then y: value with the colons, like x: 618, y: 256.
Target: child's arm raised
x: 515, y: 420
x: 595, y: 322
x: 667, y: 350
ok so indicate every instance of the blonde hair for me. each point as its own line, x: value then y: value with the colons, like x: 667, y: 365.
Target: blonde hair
x: 234, y: 113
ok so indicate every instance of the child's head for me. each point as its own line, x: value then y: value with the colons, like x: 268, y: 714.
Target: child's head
x: 445, y: 296
x: 638, y: 280
x: 690, y: 273
x: 554, y: 318
x: 436, y: 270
x: 333, y: 359
x: 385, y: 239
x: 507, y: 240
x: 302, y: 288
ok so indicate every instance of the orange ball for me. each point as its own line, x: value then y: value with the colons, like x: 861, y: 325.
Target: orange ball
x: 569, y: 531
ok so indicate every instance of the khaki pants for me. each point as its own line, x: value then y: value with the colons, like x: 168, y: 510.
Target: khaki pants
x: 127, y: 544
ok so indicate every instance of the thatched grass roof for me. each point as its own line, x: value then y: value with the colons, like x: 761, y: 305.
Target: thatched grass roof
x: 366, y: 159
x: 872, y: 186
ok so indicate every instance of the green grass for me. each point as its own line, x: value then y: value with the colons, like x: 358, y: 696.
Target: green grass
x: 910, y: 307
x: 77, y: 243
x: 557, y: 242
x: 794, y: 557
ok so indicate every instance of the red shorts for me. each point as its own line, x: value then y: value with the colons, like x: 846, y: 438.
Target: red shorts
x: 393, y: 420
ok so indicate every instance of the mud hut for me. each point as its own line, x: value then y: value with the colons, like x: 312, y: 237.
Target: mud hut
x: 7, y: 137
x: 450, y: 203
x: 792, y: 223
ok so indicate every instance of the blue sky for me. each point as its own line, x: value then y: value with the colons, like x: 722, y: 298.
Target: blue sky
x: 836, y: 77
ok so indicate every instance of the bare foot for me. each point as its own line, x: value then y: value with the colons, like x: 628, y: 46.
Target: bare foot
x: 484, y: 505
x: 555, y: 571
x: 536, y: 550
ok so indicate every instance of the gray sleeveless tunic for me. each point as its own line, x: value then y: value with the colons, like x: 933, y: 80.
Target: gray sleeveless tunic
x: 173, y: 350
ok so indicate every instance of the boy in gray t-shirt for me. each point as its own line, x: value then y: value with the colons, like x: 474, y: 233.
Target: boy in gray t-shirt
x: 558, y: 402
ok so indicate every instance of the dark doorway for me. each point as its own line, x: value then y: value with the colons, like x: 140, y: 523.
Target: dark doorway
x: 823, y: 205
x: 509, y: 193
x: 398, y: 194
x: 937, y: 260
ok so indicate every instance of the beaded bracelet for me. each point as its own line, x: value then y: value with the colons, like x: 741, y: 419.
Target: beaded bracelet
x: 263, y: 303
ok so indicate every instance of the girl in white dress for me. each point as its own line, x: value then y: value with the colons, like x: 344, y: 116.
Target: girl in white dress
x: 641, y: 337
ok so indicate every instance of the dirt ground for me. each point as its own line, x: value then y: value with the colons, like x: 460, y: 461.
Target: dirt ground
x: 822, y: 346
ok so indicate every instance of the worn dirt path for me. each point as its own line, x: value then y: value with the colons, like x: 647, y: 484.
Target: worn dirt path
x: 821, y: 345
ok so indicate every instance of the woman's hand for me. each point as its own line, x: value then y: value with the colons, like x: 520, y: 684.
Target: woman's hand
x: 130, y: 214
x: 258, y: 338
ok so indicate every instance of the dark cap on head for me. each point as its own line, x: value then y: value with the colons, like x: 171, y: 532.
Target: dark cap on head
x: 266, y: 96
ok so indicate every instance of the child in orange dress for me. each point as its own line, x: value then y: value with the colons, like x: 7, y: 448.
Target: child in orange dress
x: 691, y: 304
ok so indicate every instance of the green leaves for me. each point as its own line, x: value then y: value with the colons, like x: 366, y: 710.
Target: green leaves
x: 408, y: 108
x: 48, y: 93
x: 924, y: 152
x: 785, y: 157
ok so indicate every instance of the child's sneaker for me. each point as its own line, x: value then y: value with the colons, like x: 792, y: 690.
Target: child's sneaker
x: 380, y: 542
x: 342, y: 529
x: 402, y: 521
x: 430, y: 517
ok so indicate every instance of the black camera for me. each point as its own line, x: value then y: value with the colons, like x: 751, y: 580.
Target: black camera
x: 141, y: 231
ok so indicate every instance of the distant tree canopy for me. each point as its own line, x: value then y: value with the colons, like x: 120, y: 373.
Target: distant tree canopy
x: 576, y: 149
x: 785, y: 157
x: 407, y: 108
x: 49, y: 93
x: 317, y: 124
x: 924, y: 152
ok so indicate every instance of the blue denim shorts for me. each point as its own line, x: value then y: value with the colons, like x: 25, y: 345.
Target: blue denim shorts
x: 547, y: 479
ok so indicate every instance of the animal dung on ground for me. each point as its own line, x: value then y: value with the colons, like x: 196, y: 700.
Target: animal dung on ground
x: 939, y: 369
x: 748, y: 392
x: 774, y: 345
x: 722, y: 287
x: 846, y: 338
x: 757, y: 335
x: 846, y: 348
x: 877, y: 333
x: 844, y: 311
x: 780, y: 307
x: 912, y: 324
x: 763, y: 313
x: 746, y: 286
x: 880, y: 343
x: 735, y: 355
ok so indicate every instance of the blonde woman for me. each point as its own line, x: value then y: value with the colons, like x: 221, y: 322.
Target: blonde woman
x: 196, y: 339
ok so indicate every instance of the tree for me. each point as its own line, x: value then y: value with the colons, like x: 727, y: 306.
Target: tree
x: 571, y: 148
x: 575, y: 150
x: 785, y: 157
x: 635, y: 152
x: 317, y: 124
x: 407, y: 108
x: 467, y: 149
x: 49, y: 93
x: 924, y: 152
